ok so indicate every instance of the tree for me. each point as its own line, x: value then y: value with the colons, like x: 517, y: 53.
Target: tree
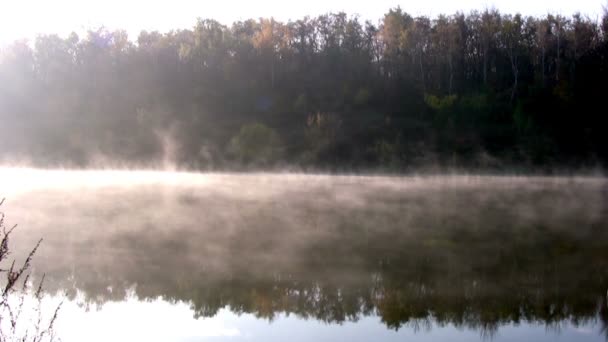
x: 392, y: 32
x: 256, y: 145
x: 512, y: 32
x: 264, y: 40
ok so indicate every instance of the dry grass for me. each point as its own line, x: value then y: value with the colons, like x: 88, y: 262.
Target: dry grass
x: 20, y: 322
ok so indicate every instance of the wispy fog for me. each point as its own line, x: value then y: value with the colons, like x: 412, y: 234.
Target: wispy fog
x: 219, y: 240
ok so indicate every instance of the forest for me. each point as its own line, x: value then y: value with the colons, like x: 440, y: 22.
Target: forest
x: 470, y: 91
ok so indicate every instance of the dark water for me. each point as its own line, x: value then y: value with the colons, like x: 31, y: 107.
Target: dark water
x: 186, y: 257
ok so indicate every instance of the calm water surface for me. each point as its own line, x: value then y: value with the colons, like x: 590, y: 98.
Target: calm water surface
x: 162, y: 256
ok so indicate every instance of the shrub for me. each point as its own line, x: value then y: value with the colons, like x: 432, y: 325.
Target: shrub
x: 16, y: 289
x: 256, y: 145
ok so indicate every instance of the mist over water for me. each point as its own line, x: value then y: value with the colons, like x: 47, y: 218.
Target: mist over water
x: 137, y: 160
x: 439, y: 256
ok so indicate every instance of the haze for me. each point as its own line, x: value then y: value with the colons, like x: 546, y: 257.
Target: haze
x: 341, y: 256
x: 26, y: 19
x: 332, y: 171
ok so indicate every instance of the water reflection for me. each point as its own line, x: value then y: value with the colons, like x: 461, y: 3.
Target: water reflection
x: 159, y: 320
x: 430, y: 254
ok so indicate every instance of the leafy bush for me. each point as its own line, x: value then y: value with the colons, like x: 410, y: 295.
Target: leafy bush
x: 256, y: 145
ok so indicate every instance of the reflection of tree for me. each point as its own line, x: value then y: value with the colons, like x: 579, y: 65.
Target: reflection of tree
x: 603, y: 314
x: 441, y: 255
x: 414, y: 287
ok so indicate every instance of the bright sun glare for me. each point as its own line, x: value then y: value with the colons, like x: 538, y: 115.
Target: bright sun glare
x: 27, y: 18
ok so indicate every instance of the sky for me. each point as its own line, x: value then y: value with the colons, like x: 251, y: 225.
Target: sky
x: 26, y: 18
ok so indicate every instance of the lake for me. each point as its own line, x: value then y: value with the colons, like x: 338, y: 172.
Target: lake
x: 170, y: 256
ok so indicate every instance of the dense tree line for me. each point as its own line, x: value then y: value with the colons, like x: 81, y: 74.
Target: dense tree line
x: 478, y: 90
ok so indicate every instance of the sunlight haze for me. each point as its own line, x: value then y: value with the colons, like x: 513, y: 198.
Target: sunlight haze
x: 337, y: 170
x: 26, y: 19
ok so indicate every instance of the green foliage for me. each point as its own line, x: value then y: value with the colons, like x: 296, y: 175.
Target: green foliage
x: 475, y: 102
x: 322, y: 133
x: 442, y: 107
x: 440, y: 103
x: 301, y: 103
x: 523, y: 122
x: 389, y: 153
x: 256, y: 145
x: 362, y: 97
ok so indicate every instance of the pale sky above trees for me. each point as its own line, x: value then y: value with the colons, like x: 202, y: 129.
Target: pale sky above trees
x: 26, y: 18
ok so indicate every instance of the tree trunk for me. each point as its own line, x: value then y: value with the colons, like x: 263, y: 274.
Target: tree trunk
x: 485, y: 68
x: 558, y: 53
x: 514, y: 90
x: 515, y: 70
x: 272, y: 74
x: 542, y: 61
x: 422, y: 71
x: 451, y: 76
